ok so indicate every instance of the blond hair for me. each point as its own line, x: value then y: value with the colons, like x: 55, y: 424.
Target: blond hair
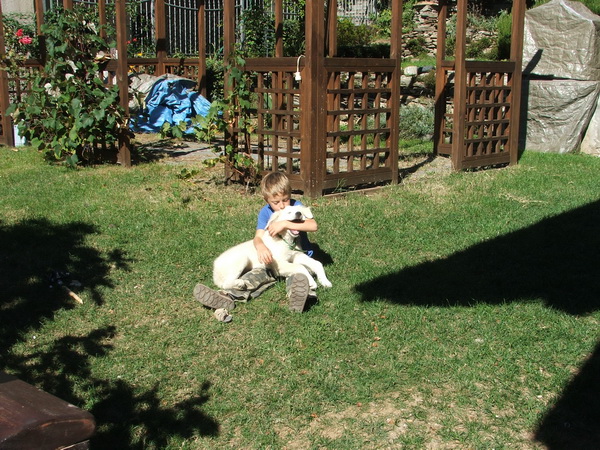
x: 275, y: 183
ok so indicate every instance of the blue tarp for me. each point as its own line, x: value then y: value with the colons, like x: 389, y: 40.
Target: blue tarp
x: 170, y: 100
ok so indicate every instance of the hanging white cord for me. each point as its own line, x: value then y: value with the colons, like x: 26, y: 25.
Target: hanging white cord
x: 297, y: 75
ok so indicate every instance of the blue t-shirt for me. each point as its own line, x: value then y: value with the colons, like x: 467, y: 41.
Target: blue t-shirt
x: 263, y: 219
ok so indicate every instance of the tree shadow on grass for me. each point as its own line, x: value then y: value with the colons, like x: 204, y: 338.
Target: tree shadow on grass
x: 32, y: 253
x: 127, y: 417
x: 573, y: 422
x: 556, y: 260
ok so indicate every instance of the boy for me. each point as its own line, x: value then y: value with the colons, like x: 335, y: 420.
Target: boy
x: 276, y: 190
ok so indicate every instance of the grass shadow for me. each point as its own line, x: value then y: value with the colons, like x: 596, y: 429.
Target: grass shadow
x: 574, y: 420
x: 555, y: 260
x: 35, y: 253
x: 127, y: 417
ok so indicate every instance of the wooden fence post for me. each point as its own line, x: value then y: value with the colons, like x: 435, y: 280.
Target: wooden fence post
x: 313, y: 143
x: 124, y: 155
x: 396, y: 55
x: 460, y: 87
x: 440, y: 78
x: 202, y: 88
x: 7, y: 136
x: 161, y: 36
x: 516, y: 55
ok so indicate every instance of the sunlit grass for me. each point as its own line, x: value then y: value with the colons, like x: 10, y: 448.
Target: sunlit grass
x: 463, y: 307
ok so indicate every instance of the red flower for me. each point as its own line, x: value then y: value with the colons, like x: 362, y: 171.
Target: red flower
x: 25, y: 40
x: 20, y: 32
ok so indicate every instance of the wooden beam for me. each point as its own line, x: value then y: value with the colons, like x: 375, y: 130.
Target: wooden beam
x: 279, y: 28
x: 7, y: 137
x: 228, y: 28
x: 516, y: 55
x: 124, y: 151
x: 228, y: 49
x: 332, y: 34
x: 395, y: 55
x: 313, y: 91
x: 202, y: 83
x: 102, y: 17
x: 460, y: 86
x: 440, y: 78
x: 161, y: 35
x: 39, y: 19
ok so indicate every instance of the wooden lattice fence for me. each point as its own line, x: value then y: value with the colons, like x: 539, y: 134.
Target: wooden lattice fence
x: 487, y: 113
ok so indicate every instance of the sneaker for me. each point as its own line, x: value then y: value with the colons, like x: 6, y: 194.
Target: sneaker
x: 297, y: 291
x: 211, y: 298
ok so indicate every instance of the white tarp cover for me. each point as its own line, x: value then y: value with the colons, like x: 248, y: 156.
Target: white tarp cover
x: 591, y: 141
x: 561, y: 83
x: 558, y: 113
x: 562, y: 40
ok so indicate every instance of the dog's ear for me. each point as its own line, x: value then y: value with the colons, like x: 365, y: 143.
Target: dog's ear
x: 306, y: 212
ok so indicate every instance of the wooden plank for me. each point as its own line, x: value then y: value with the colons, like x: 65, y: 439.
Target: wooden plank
x: 160, y: 14
x: 124, y: 151
x: 440, y: 80
x: 342, y: 112
x: 460, y: 81
x: 359, y: 64
x: 314, y: 106
x: 7, y: 137
x: 201, y: 19
x: 359, y: 91
x: 490, y: 66
x: 278, y: 28
x: 378, y: 175
x: 34, y: 419
x: 516, y: 55
x: 396, y: 58
x: 360, y: 132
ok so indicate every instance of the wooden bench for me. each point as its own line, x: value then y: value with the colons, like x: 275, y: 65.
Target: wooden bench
x: 33, y: 419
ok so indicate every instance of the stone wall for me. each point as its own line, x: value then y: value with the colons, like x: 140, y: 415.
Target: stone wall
x: 426, y: 16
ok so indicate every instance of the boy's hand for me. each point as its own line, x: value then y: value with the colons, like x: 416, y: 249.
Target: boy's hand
x: 264, y: 255
x: 276, y: 228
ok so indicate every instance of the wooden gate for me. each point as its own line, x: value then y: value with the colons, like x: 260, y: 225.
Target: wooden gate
x: 327, y: 122
x: 478, y: 102
x: 359, y: 145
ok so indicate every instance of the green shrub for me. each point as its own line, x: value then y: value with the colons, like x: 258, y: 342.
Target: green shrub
x: 69, y: 109
x: 416, y: 46
x: 382, y: 22
x: 293, y: 36
x: 215, y: 70
x: 350, y: 35
x: 504, y: 30
x: 259, y: 32
x: 477, y: 49
x: 416, y: 122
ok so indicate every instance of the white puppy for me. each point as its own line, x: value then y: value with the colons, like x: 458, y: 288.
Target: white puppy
x: 288, y: 258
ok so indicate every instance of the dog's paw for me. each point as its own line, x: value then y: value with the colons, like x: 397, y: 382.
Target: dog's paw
x: 325, y: 283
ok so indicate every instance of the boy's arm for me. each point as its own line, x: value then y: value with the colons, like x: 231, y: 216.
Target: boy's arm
x: 264, y: 254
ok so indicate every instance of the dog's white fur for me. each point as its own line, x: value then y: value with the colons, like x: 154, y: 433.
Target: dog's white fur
x: 288, y: 259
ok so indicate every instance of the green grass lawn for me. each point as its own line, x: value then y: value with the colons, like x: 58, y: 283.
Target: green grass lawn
x: 464, y: 311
